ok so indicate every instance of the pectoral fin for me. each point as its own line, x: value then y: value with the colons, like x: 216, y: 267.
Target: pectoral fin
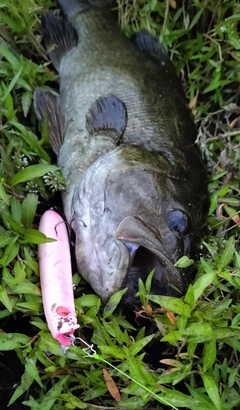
x: 48, y: 105
x: 107, y: 115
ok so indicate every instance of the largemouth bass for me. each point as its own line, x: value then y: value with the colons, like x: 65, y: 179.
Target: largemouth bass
x: 125, y: 141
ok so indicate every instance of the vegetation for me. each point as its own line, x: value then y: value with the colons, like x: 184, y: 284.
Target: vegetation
x: 195, y: 340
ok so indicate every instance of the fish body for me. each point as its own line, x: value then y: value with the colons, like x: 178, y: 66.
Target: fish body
x: 125, y: 141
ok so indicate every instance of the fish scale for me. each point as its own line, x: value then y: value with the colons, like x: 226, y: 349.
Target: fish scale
x: 136, y: 184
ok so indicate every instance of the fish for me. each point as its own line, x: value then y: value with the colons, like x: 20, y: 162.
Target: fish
x: 125, y: 140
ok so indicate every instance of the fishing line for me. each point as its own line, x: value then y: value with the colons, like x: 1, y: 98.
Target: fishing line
x: 161, y: 400
x: 94, y: 355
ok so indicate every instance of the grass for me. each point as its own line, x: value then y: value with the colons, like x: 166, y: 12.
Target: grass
x: 196, y: 338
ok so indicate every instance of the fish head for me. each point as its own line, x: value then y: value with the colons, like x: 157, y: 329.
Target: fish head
x: 101, y: 258
x: 133, y: 213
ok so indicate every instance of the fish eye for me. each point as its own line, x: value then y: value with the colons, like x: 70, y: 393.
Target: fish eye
x: 179, y: 222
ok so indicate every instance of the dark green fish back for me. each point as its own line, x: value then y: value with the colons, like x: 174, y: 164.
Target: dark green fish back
x: 109, y: 61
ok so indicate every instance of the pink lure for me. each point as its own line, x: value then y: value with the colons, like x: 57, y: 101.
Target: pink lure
x: 56, y: 278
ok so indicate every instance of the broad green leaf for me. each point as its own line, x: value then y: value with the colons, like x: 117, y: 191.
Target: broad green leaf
x: 216, y: 84
x: 210, y: 353
x: 184, y: 262
x: 30, y: 262
x: 189, y: 297
x: 19, y: 275
x: 99, y: 390
x: 6, y: 301
x: 113, y: 303
x: 181, y: 322
x: 16, y: 210
x: 12, y: 84
x: 200, y: 285
x: 26, y: 102
x: 236, y: 320
x: 196, y: 18
x: 148, y: 282
x: 11, y: 223
x: 123, y: 322
x: 29, y: 207
x: 35, y: 306
x: 200, y: 396
x: 3, y: 194
x: 11, y: 251
x: 48, y: 344
x: 178, y: 399
x: 52, y: 394
x: 74, y: 401
x: 27, y: 288
x: 111, y: 331
x: 181, y: 375
x: 173, y: 338
x: 227, y: 253
x: 199, y: 332
x: 176, y: 305
x: 224, y: 333
x: 191, y: 348
x: 230, y: 211
x: 137, y: 369
x: 32, y: 370
x: 212, y: 250
x: 26, y: 382
x: 4, y: 240
x: 140, y: 344
x: 212, y: 390
x: 213, y: 204
x: 36, y: 237
x: 114, y: 351
x: 31, y: 172
x: 133, y: 403
x: 14, y: 24
x: 10, y: 341
x: 223, y: 191
x: 87, y: 301
x: 133, y: 388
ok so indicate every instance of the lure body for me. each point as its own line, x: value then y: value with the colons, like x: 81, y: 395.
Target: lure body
x: 56, y: 278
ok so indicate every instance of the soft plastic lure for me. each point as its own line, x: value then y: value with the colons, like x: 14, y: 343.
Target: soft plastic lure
x: 56, y: 279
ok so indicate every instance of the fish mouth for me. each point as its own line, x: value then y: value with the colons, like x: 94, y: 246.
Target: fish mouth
x: 147, y: 253
x: 144, y: 262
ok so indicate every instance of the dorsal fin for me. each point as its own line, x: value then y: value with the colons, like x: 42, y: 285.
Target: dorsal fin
x: 153, y: 47
x: 59, y: 37
x: 72, y: 7
x: 107, y: 114
x: 145, y: 41
x: 48, y: 105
